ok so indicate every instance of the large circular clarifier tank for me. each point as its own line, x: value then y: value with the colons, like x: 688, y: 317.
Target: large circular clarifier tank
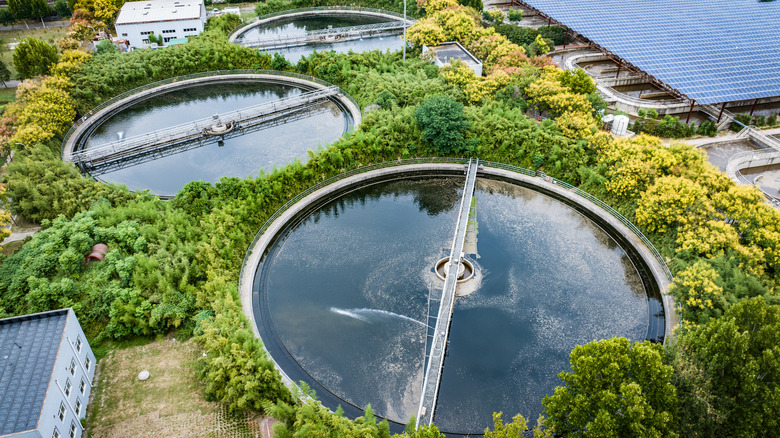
x: 289, y: 28
x: 242, y: 153
x: 343, y: 293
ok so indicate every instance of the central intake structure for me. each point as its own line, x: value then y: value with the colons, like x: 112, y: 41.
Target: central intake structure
x: 432, y: 376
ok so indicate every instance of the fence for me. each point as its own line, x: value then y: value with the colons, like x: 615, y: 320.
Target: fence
x: 616, y: 214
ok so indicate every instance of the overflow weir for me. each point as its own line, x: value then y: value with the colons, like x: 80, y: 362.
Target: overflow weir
x: 432, y: 376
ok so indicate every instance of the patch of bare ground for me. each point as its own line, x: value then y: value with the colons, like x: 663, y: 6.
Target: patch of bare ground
x: 169, y: 404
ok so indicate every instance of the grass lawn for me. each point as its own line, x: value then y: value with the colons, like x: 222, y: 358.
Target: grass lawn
x: 7, y: 94
x: 169, y: 404
x: 11, y: 247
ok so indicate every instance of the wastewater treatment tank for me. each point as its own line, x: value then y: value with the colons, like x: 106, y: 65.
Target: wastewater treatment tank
x: 345, y: 290
x: 206, y: 128
x: 297, y: 33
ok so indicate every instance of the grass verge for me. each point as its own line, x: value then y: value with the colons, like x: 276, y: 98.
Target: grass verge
x: 169, y: 404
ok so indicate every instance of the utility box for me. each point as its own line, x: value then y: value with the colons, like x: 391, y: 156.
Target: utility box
x: 620, y: 125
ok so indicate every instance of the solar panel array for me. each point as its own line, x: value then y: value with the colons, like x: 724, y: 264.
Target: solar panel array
x: 712, y: 51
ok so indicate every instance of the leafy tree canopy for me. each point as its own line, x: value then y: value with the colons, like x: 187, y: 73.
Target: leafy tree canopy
x: 33, y: 57
x: 615, y: 389
x: 442, y: 122
x: 729, y: 373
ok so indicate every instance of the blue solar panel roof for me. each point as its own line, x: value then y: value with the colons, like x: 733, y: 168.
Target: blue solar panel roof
x: 712, y: 51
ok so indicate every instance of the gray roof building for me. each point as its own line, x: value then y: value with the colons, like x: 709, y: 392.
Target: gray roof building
x: 46, y: 372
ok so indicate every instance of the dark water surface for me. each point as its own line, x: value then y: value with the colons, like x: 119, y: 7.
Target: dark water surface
x: 239, y: 156
x: 300, y: 25
x: 345, y: 293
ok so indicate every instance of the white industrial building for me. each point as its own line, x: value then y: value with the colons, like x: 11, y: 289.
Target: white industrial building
x: 446, y: 52
x: 46, y: 373
x: 169, y: 19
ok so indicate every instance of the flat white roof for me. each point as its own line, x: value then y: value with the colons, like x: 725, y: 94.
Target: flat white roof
x: 151, y: 11
x: 446, y: 52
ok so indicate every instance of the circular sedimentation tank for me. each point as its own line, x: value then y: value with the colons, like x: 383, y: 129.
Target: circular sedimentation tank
x: 224, y: 147
x: 342, y: 289
x: 284, y: 33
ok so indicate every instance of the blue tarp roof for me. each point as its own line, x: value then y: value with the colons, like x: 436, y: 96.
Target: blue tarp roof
x: 28, y: 349
x: 712, y: 51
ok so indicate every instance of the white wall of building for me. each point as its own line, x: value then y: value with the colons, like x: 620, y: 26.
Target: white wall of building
x: 65, y: 387
x: 158, y: 17
x: 137, y: 33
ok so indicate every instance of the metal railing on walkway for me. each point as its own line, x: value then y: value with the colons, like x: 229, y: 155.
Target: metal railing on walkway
x: 432, y: 376
x: 204, y: 75
x: 245, y: 24
x: 322, y: 35
x: 198, y: 128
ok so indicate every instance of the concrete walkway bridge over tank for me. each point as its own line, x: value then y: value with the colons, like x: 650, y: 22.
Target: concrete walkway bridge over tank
x: 432, y: 376
x: 330, y: 35
x: 179, y: 138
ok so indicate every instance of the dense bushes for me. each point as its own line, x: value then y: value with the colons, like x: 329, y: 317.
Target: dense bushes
x: 173, y: 265
x: 669, y: 126
x: 756, y: 120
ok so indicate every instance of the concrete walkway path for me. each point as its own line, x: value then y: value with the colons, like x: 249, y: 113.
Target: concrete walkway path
x: 729, y: 137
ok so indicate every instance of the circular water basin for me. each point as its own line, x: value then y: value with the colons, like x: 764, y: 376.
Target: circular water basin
x: 343, y: 297
x: 283, y: 28
x: 244, y: 153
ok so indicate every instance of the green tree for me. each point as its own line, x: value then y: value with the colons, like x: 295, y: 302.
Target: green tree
x: 33, y: 57
x: 5, y: 74
x: 20, y: 9
x: 578, y: 81
x: 7, y: 17
x: 516, y: 428
x: 195, y: 198
x: 39, y: 9
x: 730, y: 370
x: 105, y: 46
x: 223, y: 23
x: 615, y: 389
x: 442, y: 123
x: 62, y: 9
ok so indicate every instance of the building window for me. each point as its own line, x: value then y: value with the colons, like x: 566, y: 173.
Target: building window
x: 61, y: 412
x: 169, y: 31
x: 78, y: 344
x: 146, y: 32
x: 72, y: 431
x: 166, y: 39
x: 124, y: 34
x: 72, y: 367
x: 190, y: 29
x: 78, y: 406
x: 82, y: 385
x: 87, y: 363
x: 67, y: 387
x: 145, y: 41
x: 56, y: 433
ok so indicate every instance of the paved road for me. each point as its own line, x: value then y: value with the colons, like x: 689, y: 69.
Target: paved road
x: 31, y: 24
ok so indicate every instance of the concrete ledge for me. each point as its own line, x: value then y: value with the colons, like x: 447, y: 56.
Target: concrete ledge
x: 263, y: 242
x: 621, y: 101
x: 95, y: 119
